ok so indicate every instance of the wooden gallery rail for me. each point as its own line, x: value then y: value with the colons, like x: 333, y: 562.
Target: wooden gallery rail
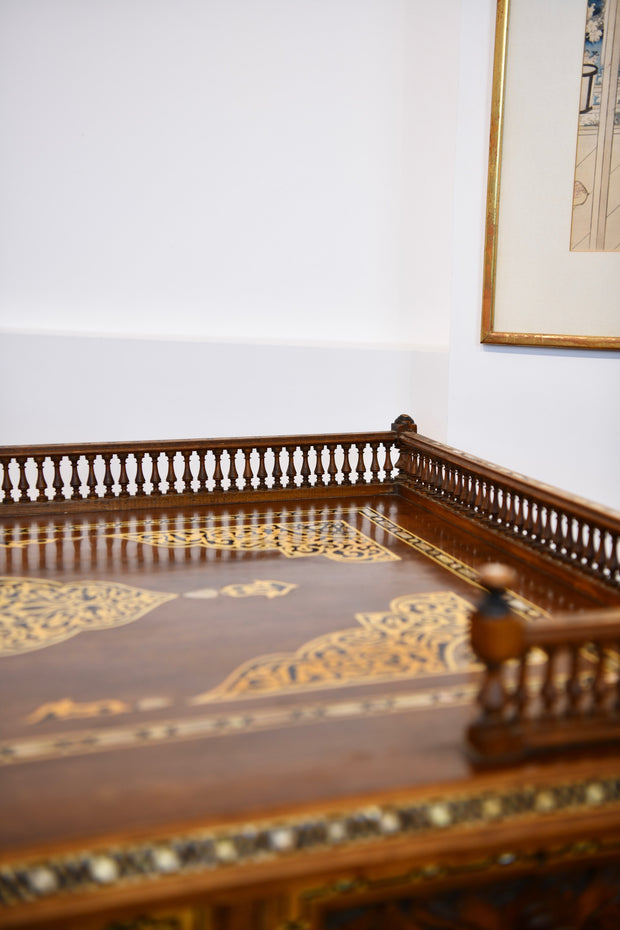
x: 546, y: 685
x: 132, y: 475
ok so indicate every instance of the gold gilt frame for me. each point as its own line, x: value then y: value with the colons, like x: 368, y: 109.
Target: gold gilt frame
x: 549, y: 297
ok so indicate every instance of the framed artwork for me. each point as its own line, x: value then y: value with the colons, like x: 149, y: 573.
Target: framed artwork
x: 552, y: 246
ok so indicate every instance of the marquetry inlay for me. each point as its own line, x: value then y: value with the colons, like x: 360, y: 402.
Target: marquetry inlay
x: 35, y: 613
x: 419, y: 634
x: 227, y: 846
x: 334, y: 539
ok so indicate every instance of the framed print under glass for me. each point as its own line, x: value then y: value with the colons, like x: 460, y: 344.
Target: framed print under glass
x: 552, y: 247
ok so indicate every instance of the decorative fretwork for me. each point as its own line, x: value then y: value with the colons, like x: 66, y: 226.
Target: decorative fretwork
x: 91, y: 476
x: 568, y: 529
x: 88, y: 477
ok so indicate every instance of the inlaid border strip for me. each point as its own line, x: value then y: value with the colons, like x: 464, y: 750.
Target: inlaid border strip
x: 519, y: 604
x: 87, y: 742
x: 227, y: 846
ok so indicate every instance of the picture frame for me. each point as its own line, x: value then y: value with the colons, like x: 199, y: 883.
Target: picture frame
x: 538, y: 290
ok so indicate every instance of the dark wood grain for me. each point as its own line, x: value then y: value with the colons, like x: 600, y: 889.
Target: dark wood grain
x: 130, y: 746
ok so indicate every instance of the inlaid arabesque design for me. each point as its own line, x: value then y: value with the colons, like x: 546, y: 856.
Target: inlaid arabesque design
x: 334, y: 539
x: 420, y: 634
x: 36, y: 613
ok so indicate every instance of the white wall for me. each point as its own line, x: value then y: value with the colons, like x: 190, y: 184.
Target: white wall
x: 259, y: 172
x: 115, y: 388
x: 551, y: 414
x: 264, y: 216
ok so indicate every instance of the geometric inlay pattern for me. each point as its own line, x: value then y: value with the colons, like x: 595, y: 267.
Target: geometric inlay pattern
x: 420, y: 634
x: 35, y: 613
x: 415, y: 818
x: 334, y: 539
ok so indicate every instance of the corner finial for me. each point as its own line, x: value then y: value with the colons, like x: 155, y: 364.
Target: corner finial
x: 404, y: 424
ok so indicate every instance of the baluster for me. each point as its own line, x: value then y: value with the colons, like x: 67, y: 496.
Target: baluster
x: 522, y: 694
x: 123, y: 480
x: 574, y: 689
x: 261, y: 474
x: 580, y: 542
x: 561, y: 534
x: 546, y: 534
x: 471, y: 490
x: 458, y: 484
x: 346, y: 465
x: 600, y: 557
x: 374, y: 462
x: 218, y: 474
x: 616, y: 652
x: 504, y: 505
x: 590, y: 552
x: 419, y: 468
x: 392, y: 458
x: 171, y: 476
x: 442, y: 478
x: 277, y: 468
x: 6, y: 483
x: 515, y: 515
x: 247, y: 471
x: 528, y: 523
x: 430, y: 473
x: 614, y: 560
x: 305, y: 467
x: 108, y: 478
x: 464, y: 487
x: 537, y: 527
x: 556, y: 531
x: 450, y: 482
x: 485, y: 506
x: 41, y: 485
x: 23, y: 481
x: 332, y: 468
x: 548, y: 691
x: 58, y: 483
x: 360, y: 470
x: 91, y: 478
x: 140, y: 479
x: 479, y: 495
x: 187, y: 477
x: 494, y: 503
x: 202, y: 472
x: 599, y: 685
x: 75, y: 477
x: 406, y: 463
x: 233, y: 473
x: 155, y: 475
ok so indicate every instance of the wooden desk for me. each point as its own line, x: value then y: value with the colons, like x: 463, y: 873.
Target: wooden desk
x: 251, y: 714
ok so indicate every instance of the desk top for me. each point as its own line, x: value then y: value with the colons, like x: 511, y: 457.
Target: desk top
x: 250, y: 668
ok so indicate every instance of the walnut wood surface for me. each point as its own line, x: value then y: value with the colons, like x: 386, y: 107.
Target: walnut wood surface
x: 331, y: 745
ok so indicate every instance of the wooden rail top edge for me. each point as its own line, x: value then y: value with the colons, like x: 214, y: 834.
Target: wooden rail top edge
x: 127, y: 474
x: 190, y: 445
x: 517, y: 480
